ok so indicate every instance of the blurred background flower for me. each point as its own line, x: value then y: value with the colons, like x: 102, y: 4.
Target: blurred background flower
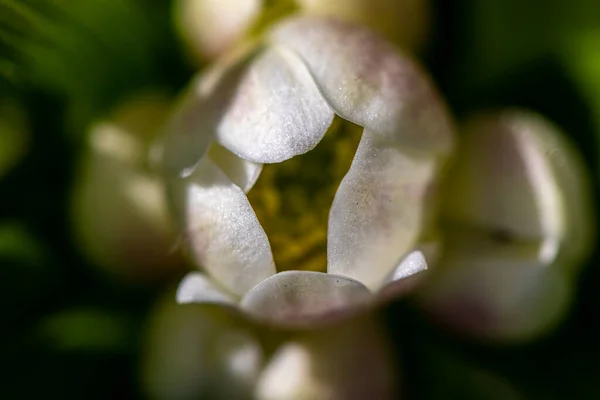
x: 517, y: 224
x: 119, y: 205
x: 75, y: 320
x: 209, y: 28
x: 203, y: 346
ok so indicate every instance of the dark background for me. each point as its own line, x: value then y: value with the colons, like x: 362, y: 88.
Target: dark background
x: 69, y: 62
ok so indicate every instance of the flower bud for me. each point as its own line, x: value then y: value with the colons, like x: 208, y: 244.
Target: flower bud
x: 211, y: 349
x: 119, y: 208
x: 518, y: 226
x: 199, y: 351
x: 348, y: 361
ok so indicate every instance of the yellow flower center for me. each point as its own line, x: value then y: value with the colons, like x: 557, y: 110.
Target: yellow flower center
x: 292, y: 199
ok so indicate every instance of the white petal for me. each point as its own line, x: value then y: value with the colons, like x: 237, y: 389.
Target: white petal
x: 199, y: 351
x: 495, y: 290
x: 551, y: 145
x: 186, y: 137
x: 404, y: 277
x: 260, y: 104
x: 518, y: 220
x: 413, y: 263
x: 191, y: 128
x: 351, y: 360
x: 242, y: 172
x: 296, y: 298
x: 379, y: 211
x: 366, y: 81
x: 197, y: 288
x: 517, y: 175
x: 275, y: 111
x: 225, y: 237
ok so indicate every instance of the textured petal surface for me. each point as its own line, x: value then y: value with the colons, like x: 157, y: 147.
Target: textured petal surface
x: 404, y: 277
x: 225, y: 237
x: 197, y: 351
x: 368, y: 82
x: 496, y: 290
x: 351, y: 360
x: 275, y: 112
x: 380, y: 210
x: 242, y: 172
x: 190, y: 130
x: 413, y: 263
x: 298, y: 298
x: 196, y: 287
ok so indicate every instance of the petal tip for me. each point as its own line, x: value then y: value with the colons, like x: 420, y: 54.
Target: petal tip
x: 197, y: 288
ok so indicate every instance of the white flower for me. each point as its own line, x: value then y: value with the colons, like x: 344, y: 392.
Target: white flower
x: 317, y: 329
x: 518, y: 224
x: 513, y: 221
x: 276, y: 101
x: 267, y: 104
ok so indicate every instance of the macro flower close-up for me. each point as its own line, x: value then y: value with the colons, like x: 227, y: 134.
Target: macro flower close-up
x: 299, y: 199
x: 280, y: 104
x: 276, y: 102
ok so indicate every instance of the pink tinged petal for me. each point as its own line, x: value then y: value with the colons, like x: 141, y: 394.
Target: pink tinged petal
x: 515, y: 173
x: 242, y: 172
x: 495, y: 290
x: 379, y: 211
x: 198, y: 288
x: 225, y: 236
x: 197, y: 351
x: 405, y: 277
x: 262, y: 105
x: 276, y: 111
x: 120, y: 215
x: 305, y: 298
x: 190, y: 130
x: 518, y: 213
x: 367, y: 81
x: 351, y: 360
